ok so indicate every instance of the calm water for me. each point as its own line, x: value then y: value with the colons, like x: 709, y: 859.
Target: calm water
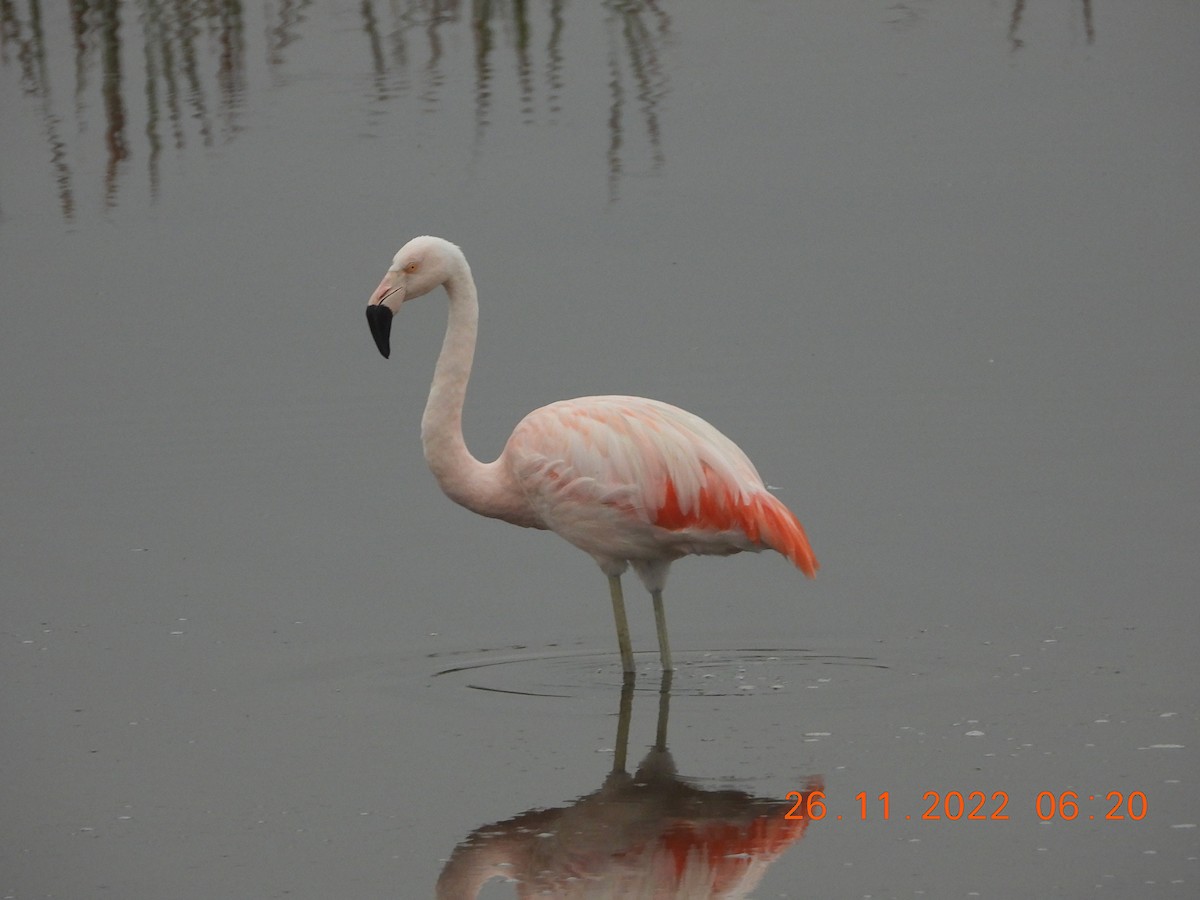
x: 932, y: 265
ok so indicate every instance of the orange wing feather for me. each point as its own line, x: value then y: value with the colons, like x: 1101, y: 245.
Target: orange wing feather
x: 656, y: 462
x: 761, y: 517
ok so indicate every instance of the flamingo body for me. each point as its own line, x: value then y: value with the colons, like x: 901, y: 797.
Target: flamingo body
x: 628, y: 479
x: 631, y: 481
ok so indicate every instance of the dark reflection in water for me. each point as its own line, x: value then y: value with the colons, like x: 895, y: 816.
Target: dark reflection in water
x: 191, y: 70
x: 192, y: 77
x: 172, y: 41
x: 636, y: 32
x: 645, y: 73
x: 284, y: 30
x: 652, y: 833
x: 911, y: 13
x: 22, y: 43
x: 1018, y: 12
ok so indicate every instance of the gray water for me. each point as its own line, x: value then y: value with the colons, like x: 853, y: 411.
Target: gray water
x: 932, y: 265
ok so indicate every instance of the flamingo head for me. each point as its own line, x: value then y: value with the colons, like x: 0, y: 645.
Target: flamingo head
x: 420, y: 266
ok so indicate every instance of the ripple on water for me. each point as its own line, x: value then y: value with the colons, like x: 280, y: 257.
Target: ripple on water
x: 700, y: 673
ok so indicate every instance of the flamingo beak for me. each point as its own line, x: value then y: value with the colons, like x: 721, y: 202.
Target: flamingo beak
x: 379, y: 317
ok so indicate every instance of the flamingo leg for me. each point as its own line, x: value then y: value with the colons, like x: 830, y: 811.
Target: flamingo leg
x: 624, y: 715
x: 660, y: 619
x: 664, y: 710
x: 618, y: 605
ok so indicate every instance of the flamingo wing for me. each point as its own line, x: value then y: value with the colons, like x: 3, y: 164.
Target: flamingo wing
x: 631, y: 478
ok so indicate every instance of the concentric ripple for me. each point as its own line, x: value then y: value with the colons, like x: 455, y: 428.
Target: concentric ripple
x: 719, y: 672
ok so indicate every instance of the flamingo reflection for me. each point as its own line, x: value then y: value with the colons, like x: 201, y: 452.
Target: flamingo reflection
x: 646, y: 834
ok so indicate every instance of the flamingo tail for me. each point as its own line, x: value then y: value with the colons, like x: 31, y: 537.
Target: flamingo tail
x: 761, y: 517
x: 768, y: 521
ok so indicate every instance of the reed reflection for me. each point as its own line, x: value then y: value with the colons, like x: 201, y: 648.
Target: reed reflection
x: 166, y: 74
x: 177, y: 71
x: 1018, y: 13
x: 529, y: 38
x: 908, y: 14
x: 22, y: 43
x: 192, y: 77
x: 647, y: 834
x: 284, y: 28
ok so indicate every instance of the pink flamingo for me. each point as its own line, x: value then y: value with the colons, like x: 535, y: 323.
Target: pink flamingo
x: 628, y: 480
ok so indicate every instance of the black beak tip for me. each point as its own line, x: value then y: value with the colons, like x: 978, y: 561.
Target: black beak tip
x: 379, y: 317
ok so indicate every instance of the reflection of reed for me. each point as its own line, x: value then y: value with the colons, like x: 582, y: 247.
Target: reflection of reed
x: 389, y: 52
x: 637, y: 30
x: 284, y: 31
x: 177, y: 35
x: 631, y: 40
x: 1018, y: 12
x: 193, y: 70
x: 25, y: 39
x: 649, y: 834
x: 114, y: 105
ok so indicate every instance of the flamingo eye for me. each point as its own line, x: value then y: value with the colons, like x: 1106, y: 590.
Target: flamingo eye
x: 410, y: 268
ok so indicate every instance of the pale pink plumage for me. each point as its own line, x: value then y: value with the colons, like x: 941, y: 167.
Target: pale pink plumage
x: 630, y: 481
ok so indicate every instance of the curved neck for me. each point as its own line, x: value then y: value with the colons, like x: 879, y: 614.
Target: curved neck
x: 462, y: 477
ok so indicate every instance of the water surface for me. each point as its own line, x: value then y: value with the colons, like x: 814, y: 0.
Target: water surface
x: 932, y: 265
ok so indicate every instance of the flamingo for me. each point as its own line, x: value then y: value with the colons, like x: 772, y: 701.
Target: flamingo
x: 628, y: 480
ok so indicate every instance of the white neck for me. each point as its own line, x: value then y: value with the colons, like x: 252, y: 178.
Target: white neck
x: 481, y: 487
